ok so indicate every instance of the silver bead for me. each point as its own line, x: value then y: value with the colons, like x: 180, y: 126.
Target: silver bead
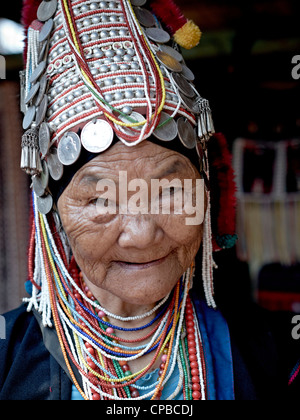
x: 140, y: 93
x: 127, y: 110
x: 104, y: 69
x: 86, y: 22
x: 84, y: 8
x: 85, y: 38
x: 124, y: 66
x: 62, y: 102
x: 131, y: 51
x: 110, y: 53
x: 130, y: 79
x: 75, y: 80
x: 79, y: 108
x: 123, y: 32
x: 64, y: 116
x: 119, y: 96
x: 94, y: 72
x: 94, y: 36
x: 139, y: 79
x: 96, y: 19
x: 93, y: 6
x: 127, y: 57
x: 135, y: 66
x: 113, y: 33
x: 120, y: 80
x: 103, y: 5
x: 109, y: 82
x: 120, y: 52
x: 70, y: 98
x: 105, y: 19
x: 107, y: 61
x: 77, y: 93
x: 76, y: 11
x: 113, y: 18
x: 104, y: 34
x: 114, y: 67
x: 129, y: 94
x: 112, y: 5
x: 108, y: 97
x: 88, y: 104
x: 71, y: 112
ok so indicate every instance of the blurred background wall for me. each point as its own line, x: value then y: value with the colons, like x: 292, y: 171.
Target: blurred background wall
x: 244, y: 66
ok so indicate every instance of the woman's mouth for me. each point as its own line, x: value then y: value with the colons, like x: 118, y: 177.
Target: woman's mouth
x: 128, y: 265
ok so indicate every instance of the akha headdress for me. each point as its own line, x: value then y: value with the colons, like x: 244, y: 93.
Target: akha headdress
x: 114, y: 69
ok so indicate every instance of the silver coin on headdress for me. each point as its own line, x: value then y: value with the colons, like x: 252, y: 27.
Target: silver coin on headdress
x: 46, y: 30
x: 44, y: 138
x: 172, y: 52
x: 145, y: 17
x: 134, y: 117
x: 158, y: 35
x: 38, y: 71
x: 40, y: 182
x: 43, y: 87
x: 41, y: 110
x: 69, y: 148
x: 33, y: 91
x: 46, y: 10
x: 56, y: 168
x: 97, y: 136
x: 167, y: 129
x: 186, y: 133
x: 44, y: 204
x: 168, y: 61
x: 183, y: 85
x: 29, y: 117
x: 138, y: 3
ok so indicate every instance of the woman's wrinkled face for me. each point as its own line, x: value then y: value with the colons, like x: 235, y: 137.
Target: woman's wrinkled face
x: 136, y: 257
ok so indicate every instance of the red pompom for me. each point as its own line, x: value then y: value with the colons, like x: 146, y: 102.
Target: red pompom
x: 169, y: 13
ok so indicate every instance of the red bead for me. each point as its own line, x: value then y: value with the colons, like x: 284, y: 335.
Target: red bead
x: 91, y: 351
x: 190, y: 317
x: 96, y: 397
x: 122, y: 363
x: 196, y: 395
x: 191, y: 337
x: 135, y: 393
x: 192, y: 350
x: 160, y: 372
x: 190, y: 330
x: 194, y: 365
x: 162, y: 365
x: 191, y: 343
x: 125, y: 368
x: 90, y: 363
x: 195, y: 372
x: 195, y: 379
x: 193, y: 357
x: 196, y: 387
x: 190, y: 324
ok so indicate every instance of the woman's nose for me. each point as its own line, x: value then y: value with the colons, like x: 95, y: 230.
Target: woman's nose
x: 140, y: 231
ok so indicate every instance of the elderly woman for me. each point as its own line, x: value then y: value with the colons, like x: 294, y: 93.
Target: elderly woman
x: 116, y: 143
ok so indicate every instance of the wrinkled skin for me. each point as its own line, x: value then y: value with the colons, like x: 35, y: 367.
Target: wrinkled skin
x: 129, y: 261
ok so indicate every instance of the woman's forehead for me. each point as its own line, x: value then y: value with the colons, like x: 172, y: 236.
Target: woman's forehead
x: 144, y: 157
